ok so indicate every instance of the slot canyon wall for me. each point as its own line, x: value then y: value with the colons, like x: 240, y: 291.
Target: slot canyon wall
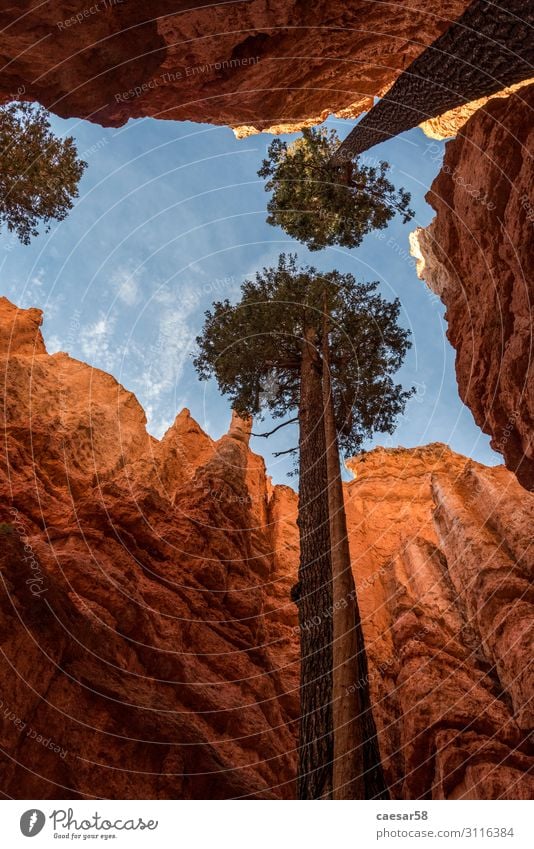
x: 477, y: 256
x: 250, y: 64
x: 149, y: 648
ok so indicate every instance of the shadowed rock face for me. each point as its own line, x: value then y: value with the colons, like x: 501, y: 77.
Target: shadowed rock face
x: 149, y: 646
x: 487, y: 49
x: 477, y: 256
x: 249, y: 64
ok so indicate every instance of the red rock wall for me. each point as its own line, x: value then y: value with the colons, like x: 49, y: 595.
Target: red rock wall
x: 252, y: 64
x: 135, y: 580
x: 149, y: 647
x: 477, y: 255
x: 443, y: 555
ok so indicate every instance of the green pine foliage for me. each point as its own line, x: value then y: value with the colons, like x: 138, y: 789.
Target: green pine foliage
x: 39, y: 172
x: 321, y: 204
x: 259, y: 340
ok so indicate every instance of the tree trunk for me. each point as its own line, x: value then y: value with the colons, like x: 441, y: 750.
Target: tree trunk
x: 357, y: 772
x: 313, y: 593
x: 488, y: 48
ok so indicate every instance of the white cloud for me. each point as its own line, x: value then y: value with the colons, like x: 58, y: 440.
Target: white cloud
x: 165, y: 357
x: 32, y: 291
x: 54, y: 344
x: 168, y: 355
x: 37, y: 280
x: 129, y: 291
x: 157, y: 425
x: 96, y: 341
x: 126, y: 285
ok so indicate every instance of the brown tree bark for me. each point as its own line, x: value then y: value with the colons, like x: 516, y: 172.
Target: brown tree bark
x: 313, y: 592
x: 357, y: 771
x: 488, y: 48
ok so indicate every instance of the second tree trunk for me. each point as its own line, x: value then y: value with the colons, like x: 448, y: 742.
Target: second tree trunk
x: 313, y: 592
x: 357, y: 771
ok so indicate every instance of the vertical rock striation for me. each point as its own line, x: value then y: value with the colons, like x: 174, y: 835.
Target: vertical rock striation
x: 477, y: 256
x: 442, y: 552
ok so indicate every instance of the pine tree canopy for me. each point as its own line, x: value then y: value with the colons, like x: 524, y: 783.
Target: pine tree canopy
x: 39, y: 173
x: 322, y: 204
x: 259, y: 341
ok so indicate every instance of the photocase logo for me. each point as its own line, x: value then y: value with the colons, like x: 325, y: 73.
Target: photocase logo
x: 32, y: 822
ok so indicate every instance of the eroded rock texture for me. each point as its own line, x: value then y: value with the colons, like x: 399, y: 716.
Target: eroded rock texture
x: 250, y: 64
x: 149, y: 646
x: 443, y: 554
x: 145, y: 623
x: 477, y: 256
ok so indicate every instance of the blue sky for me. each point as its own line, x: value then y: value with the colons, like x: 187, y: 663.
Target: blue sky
x: 172, y: 216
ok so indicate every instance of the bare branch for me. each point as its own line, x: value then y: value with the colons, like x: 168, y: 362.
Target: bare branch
x: 270, y: 432
x: 280, y: 453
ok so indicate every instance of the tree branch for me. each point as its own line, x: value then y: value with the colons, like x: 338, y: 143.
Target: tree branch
x: 377, y: 196
x: 270, y: 432
x: 280, y: 453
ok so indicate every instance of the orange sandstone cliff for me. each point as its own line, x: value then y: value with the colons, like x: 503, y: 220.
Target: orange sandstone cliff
x: 477, y: 256
x: 250, y: 64
x: 149, y: 646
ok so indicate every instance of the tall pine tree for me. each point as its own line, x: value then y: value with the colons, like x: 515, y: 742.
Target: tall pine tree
x: 280, y: 331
